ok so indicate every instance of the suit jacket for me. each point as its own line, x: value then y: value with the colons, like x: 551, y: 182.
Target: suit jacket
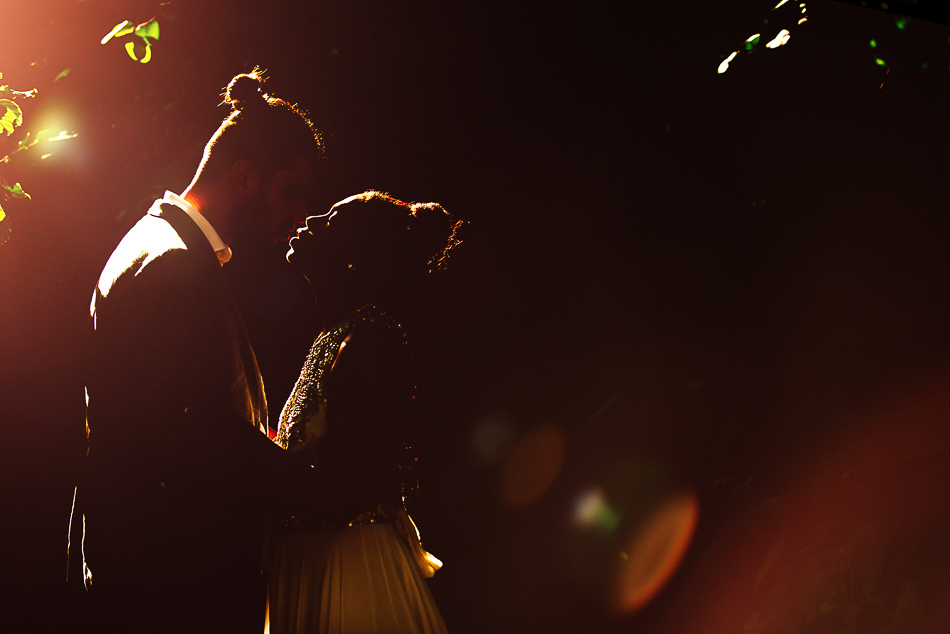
x: 173, y: 499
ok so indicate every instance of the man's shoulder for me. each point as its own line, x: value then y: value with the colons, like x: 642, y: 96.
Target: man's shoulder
x: 150, y: 249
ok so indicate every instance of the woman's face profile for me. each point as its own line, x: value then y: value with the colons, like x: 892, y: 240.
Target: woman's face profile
x: 318, y: 247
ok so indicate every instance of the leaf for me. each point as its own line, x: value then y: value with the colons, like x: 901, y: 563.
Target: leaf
x: 148, y: 29
x: 146, y: 54
x: 65, y: 72
x: 15, y: 192
x: 63, y: 135
x: 122, y: 28
x: 4, y: 229
x: 26, y: 141
x: 17, y: 93
x: 13, y: 114
x: 7, y: 121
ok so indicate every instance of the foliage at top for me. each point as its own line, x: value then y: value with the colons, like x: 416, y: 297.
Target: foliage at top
x: 10, y: 120
x: 146, y: 31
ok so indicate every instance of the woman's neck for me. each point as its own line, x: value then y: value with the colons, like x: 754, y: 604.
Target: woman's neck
x: 332, y: 310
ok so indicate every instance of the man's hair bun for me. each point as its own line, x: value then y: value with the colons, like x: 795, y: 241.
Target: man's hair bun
x: 246, y: 90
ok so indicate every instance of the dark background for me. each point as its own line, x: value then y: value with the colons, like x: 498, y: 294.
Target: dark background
x: 726, y: 288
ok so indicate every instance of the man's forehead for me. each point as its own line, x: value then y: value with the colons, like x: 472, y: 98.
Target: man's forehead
x: 303, y: 169
x: 304, y: 164
x: 301, y: 174
x: 346, y: 201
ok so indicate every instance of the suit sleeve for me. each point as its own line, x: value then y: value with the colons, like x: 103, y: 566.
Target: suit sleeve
x: 161, y: 343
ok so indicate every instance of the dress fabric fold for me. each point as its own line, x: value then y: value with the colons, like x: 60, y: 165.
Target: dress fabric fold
x: 352, y: 564
x: 361, y: 579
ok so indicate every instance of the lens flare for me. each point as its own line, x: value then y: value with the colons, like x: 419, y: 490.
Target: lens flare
x: 532, y: 466
x: 654, y: 550
x: 592, y: 511
x: 490, y: 441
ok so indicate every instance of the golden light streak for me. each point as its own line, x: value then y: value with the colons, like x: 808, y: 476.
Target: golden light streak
x: 122, y: 27
x: 724, y: 66
x: 780, y: 39
x: 63, y: 135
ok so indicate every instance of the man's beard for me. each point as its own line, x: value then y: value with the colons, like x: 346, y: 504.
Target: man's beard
x: 248, y: 234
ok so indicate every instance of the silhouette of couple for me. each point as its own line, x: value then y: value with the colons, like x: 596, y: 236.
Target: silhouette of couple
x: 187, y: 518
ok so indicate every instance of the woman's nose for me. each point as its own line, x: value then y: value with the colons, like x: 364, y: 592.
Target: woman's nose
x: 316, y: 223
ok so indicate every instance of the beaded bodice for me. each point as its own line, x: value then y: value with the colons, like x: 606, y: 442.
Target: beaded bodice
x: 307, y: 404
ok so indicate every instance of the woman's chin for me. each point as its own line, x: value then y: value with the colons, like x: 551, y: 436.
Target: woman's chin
x: 300, y: 262
x: 293, y: 251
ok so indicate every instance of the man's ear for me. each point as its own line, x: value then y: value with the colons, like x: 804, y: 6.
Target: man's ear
x: 245, y: 179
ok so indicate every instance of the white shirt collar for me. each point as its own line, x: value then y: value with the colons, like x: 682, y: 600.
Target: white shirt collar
x: 217, y: 244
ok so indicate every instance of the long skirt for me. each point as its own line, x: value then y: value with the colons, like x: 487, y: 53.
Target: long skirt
x: 362, y: 579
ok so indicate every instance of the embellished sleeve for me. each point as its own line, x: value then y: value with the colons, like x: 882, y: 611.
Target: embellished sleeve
x: 356, y: 395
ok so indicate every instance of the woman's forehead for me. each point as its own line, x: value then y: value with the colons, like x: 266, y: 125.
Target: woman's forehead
x: 345, y: 201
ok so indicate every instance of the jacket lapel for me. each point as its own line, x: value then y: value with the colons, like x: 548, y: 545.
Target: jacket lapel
x: 189, y: 232
x: 247, y: 386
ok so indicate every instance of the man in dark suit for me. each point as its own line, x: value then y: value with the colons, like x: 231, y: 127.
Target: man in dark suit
x: 174, y: 502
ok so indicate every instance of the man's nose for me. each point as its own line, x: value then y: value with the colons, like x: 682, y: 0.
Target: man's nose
x: 299, y: 212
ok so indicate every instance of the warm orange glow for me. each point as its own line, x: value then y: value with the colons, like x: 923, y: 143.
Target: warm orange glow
x: 654, y: 551
x: 532, y: 466
x: 810, y: 555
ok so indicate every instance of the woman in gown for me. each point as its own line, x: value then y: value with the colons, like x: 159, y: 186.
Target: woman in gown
x: 355, y: 564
